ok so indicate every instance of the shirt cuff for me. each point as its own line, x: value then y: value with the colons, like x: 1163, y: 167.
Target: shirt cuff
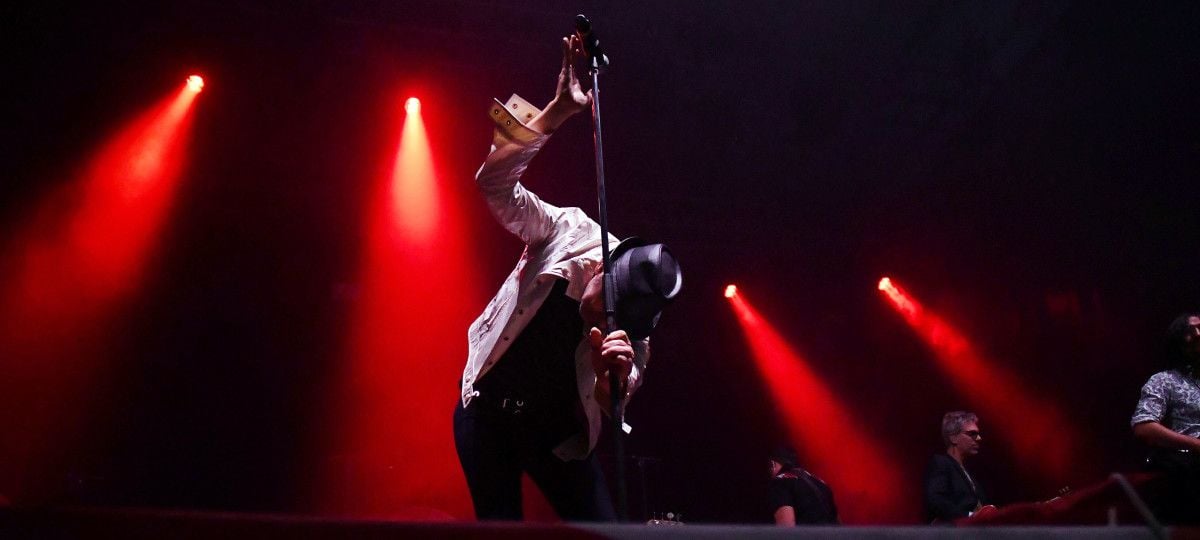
x: 512, y: 120
x: 1143, y: 418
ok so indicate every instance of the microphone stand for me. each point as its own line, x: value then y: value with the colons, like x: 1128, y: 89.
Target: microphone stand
x: 597, y: 62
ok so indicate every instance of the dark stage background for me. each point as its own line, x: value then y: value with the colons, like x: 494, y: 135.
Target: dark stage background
x: 1027, y: 169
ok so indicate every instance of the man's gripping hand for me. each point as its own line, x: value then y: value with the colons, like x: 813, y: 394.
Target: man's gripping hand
x: 611, y: 353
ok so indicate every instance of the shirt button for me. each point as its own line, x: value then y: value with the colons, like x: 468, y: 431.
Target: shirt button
x: 505, y: 338
x: 520, y: 312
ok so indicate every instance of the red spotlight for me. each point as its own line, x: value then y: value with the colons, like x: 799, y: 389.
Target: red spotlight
x: 1036, y: 430
x: 870, y: 487
x: 730, y: 291
x: 899, y: 299
x: 195, y: 83
x: 415, y: 203
x: 70, y: 272
x: 395, y: 450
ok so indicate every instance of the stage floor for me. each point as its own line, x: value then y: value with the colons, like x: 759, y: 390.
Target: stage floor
x: 143, y: 523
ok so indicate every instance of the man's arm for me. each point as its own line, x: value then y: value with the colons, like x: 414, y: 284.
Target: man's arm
x: 1156, y: 434
x: 519, y: 210
x: 1148, y: 415
x: 785, y: 516
x: 779, y: 496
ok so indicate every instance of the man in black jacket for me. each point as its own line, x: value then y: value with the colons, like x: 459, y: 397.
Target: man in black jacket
x: 950, y: 491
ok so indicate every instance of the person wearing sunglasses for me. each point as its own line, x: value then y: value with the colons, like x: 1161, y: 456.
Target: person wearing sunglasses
x: 950, y: 492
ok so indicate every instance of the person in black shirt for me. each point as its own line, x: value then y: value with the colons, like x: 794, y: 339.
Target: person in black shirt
x: 796, y: 496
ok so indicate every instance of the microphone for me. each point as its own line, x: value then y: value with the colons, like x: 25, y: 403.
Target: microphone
x: 591, y: 43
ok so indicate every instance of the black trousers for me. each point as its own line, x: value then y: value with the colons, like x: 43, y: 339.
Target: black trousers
x: 1180, y: 503
x: 496, y: 445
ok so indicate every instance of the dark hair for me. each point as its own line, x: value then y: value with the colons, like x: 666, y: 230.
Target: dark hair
x: 1176, y: 354
x: 784, y: 455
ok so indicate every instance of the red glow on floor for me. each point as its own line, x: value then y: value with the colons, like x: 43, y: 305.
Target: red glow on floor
x: 834, y: 443
x: 391, y: 431
x: 69, y: 270
x: 1036, y: 430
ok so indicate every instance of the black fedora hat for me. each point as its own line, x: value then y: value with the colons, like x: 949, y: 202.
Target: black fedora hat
x: 646, y: 278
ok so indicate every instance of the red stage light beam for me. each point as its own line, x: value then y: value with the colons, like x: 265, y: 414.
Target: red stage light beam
x: 418, y: 292
x: 415, y: 204
x: 868, y: 486
x: 730, y: 291
x: 70, y: 270
x: 1035, y: 429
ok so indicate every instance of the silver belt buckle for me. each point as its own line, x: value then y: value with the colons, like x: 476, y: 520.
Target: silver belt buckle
x: 514, y: 405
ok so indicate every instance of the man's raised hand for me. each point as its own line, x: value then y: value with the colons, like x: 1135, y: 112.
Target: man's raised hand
x: 569, y: 97
x: 570, y: 93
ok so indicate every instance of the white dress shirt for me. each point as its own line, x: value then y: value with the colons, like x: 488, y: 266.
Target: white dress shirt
x: 560, y: 243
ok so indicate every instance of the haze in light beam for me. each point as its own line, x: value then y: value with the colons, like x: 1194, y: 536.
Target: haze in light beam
x: 1036, y: 430
x: 414, y: 184
x: 868, y: 486
x: 391, y: 404
x: 67, y: 274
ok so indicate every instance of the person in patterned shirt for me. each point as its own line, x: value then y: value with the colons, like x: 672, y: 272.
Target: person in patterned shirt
x: 1167, y: 419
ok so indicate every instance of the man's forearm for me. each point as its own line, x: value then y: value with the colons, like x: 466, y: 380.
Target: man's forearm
x: 1156, y: 434
x: 552, y: 116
